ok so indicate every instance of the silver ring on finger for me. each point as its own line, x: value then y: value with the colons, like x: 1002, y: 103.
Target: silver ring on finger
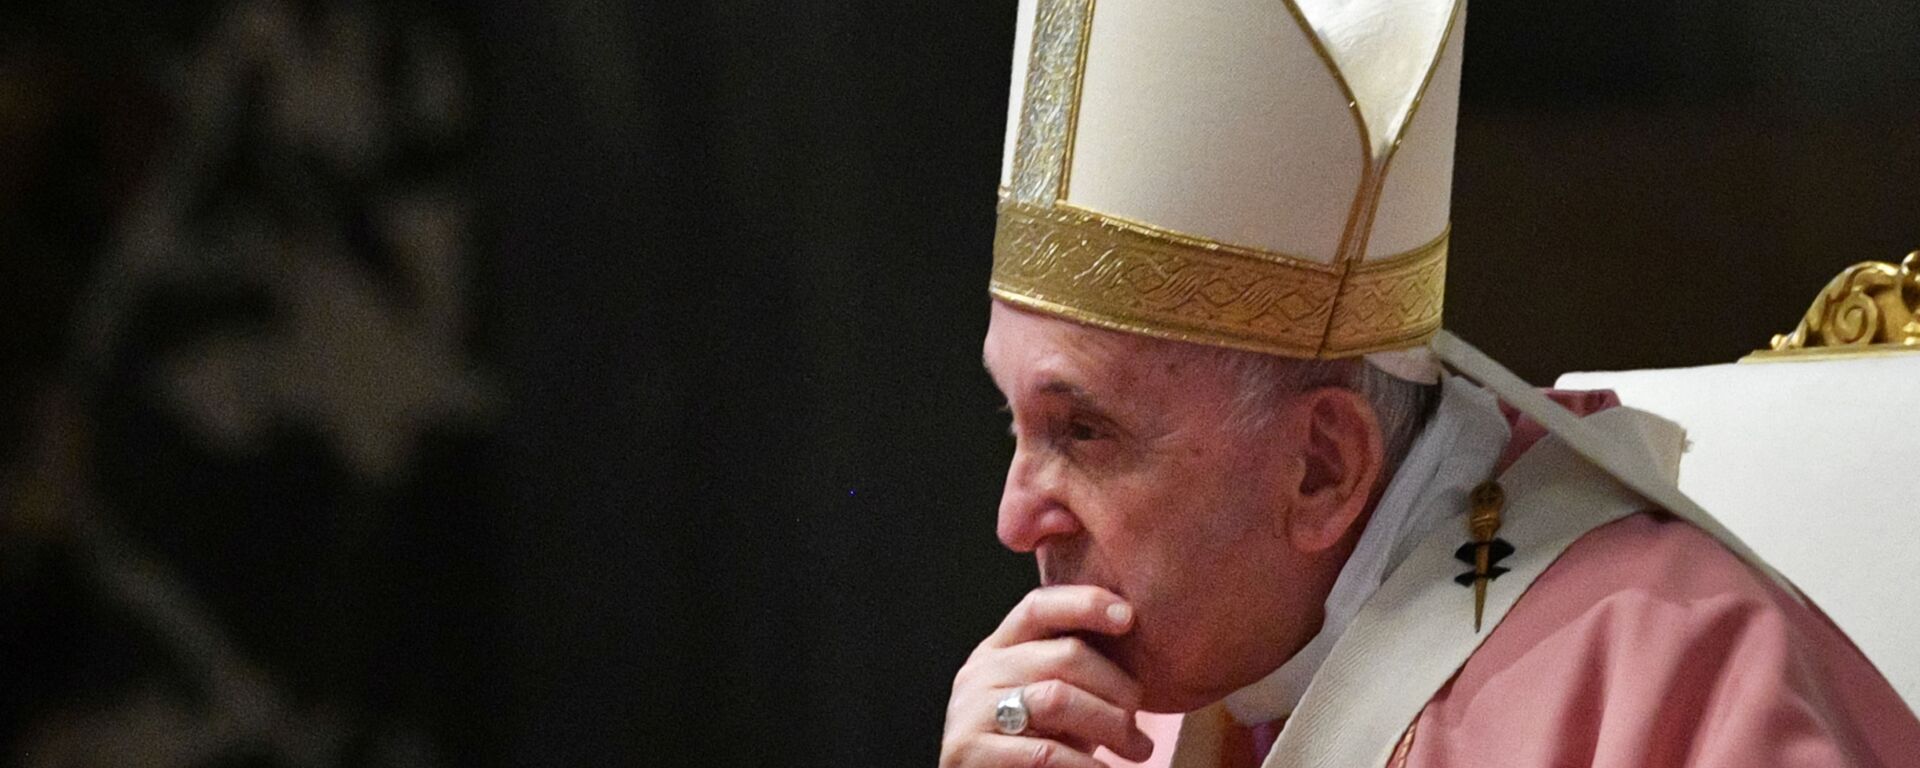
x: 1010, y: 713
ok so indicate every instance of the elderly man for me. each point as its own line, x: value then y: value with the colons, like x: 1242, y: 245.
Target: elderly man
x: 1255, y: 491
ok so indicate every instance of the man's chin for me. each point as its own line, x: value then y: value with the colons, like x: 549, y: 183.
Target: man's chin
x: 1162, y: 688
x: 1125, y: 652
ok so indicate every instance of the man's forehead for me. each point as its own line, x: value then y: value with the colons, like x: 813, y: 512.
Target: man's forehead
x: 1060, y: 372
x: 1048, y: 356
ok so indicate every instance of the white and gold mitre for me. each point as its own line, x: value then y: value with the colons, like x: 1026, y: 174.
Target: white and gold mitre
x: 1269, y: 175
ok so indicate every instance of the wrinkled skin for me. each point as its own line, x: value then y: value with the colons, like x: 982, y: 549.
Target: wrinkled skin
x: 1181, y: 555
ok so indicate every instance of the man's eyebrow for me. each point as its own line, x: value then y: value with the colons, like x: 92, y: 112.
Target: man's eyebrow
x: 1055, y: 386
x: 1079, y: 395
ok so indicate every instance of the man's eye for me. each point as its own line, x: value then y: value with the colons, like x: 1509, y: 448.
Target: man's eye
x: 1080, y: 430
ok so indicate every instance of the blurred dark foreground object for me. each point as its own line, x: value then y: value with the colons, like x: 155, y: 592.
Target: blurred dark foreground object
x: 242, y: 417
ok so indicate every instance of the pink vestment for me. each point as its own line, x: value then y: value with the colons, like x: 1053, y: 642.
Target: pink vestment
x: 1649, y: 644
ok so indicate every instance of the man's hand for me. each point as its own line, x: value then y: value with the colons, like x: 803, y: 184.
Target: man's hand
x: 1076, y: 699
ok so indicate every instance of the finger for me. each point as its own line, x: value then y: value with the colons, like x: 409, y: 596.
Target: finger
x: 1050, y: 611
x: 1069, y: 659
x: 1062, y: 710
x: 993, y: 750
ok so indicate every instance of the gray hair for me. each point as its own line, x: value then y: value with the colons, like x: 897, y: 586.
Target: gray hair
x: 1401, y: 406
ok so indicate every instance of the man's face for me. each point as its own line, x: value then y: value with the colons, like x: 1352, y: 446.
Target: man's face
x: 1127, y: 474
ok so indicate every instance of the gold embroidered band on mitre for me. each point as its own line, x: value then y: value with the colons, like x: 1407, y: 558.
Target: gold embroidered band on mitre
x: 1109, y: 272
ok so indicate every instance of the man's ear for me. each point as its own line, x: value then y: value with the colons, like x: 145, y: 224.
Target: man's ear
x: 1331, y: 475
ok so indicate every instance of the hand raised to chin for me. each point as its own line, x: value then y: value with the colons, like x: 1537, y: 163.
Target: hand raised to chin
x: 1074, y: 699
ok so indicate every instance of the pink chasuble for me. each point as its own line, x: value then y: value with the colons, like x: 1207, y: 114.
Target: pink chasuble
x: 1648, y: 644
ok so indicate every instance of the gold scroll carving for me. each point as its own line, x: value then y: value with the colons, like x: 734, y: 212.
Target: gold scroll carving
x: 1871, y: 307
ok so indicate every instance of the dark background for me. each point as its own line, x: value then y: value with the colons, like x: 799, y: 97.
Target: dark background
x: 736, y: 505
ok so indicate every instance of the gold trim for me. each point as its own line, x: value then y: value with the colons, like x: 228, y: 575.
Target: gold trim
x: 1187, y: 240
x: 1824, y: 353
x: 1079, y: 88
x: 1390, y: 303
x: 1128, y: 276
x: 1870, y: 308
x: 1420, y: 96
x: 1374, y: 179
x: 1403, y: 751
x: 1346, y: 249
x: 1400, y: 134
x: 1050, y: 104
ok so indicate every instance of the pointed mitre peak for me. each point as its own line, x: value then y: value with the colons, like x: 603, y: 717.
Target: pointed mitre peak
x: 1370, y: 41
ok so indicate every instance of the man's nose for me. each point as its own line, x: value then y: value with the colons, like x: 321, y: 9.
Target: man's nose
x: 1032, y: 508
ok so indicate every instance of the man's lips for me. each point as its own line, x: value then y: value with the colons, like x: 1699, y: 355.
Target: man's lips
x: 1067, y: 563
x: 1049, y: 580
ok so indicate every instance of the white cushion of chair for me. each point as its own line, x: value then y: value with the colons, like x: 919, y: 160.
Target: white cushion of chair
x: 1816, y: 465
